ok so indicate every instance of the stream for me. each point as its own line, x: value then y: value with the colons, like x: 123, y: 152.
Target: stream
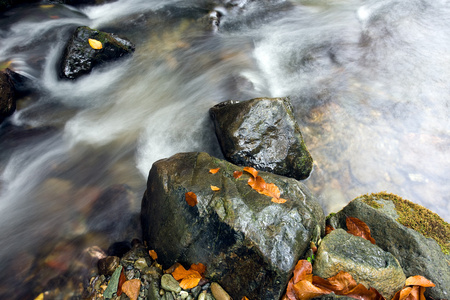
x: 369, y: 82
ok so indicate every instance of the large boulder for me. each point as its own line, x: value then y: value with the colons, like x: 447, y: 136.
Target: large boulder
x: 249, y: 244
x: 386, y: 215
x: 80, y: 58
x: 7, y: 96
x: 262, y: 133
x: 367, y: 263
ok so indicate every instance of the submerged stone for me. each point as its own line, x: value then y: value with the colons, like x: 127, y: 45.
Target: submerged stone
x: 80, y: 58
x: 262, y: 133
x: 249, y: 244
x: 7, y: 96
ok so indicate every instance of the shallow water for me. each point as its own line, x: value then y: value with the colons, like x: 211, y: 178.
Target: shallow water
x: 368, y: 81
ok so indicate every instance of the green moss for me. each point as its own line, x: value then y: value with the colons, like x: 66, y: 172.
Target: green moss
x: 416, y: 217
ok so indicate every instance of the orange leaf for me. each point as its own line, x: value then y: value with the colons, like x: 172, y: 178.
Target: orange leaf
x: 237, y: 174
x: 271, y: 190
x: 122, y: 279
x: 342, y: 282
x: 328, y: 229
x: 214, y: 171
x: 357, y: 227
x: 244, y: 298
x: 305, y: 290
x: 257, y: 183
x: 191, y: 280
x: 278, y: 200
x: 180, y: 272
x: 419, y: 280
x: 251, y: 170
x: 201, y: 268
x: 361, y: 292
x: 153, y: 254
x: 215, y: 188
x: 191, y: 198
x: 95, y: 44
x: 131, y: 288
x: 302, y: 268
x: 290, y: 293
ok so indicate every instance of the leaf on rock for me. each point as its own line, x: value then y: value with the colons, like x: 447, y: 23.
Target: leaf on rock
x: 215, y: 188
x: 244, y: 298
x: 328, y: 229
x: 302, y: 268
x: 131, y: 288
x: 191, y: 198
x: 279, y: 200
x: 271, y: 190
x: 358, y: 228
x: 40, y: 297
x: 95, y: 44
x: 191, y: 280
x: 214, y: 171
x: 257, y: 183
x: 201, y: 268
x: 237, y: 174
x: 252, y: 171
x: 180, y: 272
x: 419, y: 280
x: 305, y: 290
x: 153, y: 254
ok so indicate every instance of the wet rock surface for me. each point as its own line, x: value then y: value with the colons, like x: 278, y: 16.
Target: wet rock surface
x: 80, y: 58
x: 262, y: 133
x: 7, y: 96
x: 238, y: 233
x: 367, y: 263
x: 416, y: 254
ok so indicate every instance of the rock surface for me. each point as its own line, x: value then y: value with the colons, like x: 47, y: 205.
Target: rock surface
x: 417, y: 255
x: 262, y: 133
x: 239, y: 234
x: 80, y: 58
x: 7, y: 96
x: 366, y: 262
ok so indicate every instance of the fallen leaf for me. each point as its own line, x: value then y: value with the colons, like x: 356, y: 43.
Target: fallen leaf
x: 191, y: 198
x: 153, y: 254
x: 122, y: 279
x: 358, y: 228
x: 201, y: 268
x: 180, y: 272
x: 191, y: 280
x: 251, y: 170
x: 95, y: 44
x: 302, y: 268
x: 40, y: 297
x: 214, y: 171
x: 131, y: 288
x: 237, y: 174
x: 244, y: 298
x: 279, y: 200
x: 419, y: 280
x: 171, y: 268
x: 215, y: 188
x: 305, y: 290
x: 257, y: 183
x: 271, y: 190
x: 44, y: 6
x: 328, y: 229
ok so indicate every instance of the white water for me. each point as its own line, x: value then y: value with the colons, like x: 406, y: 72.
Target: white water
x: 368, y: 80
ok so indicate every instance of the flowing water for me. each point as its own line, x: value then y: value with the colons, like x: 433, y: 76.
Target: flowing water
x: 369, y: 81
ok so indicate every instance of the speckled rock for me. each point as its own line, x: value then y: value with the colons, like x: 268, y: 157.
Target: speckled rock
x: 249, y: 244
x: 169, y: 283
x: 7, y: 96
x: 366, y: 262
x: 262, y: 133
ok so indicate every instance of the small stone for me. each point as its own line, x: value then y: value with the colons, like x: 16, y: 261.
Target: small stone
x: 206, y: 286
x: 189, y: 298
x: 196, y: 291
x: 210, y: 297
x: 202, y: 296
x: 129, y: 274
x: 162, y: 292
x: 140, y: 264
x: 218, y: 292
x: 169, y: 283
x: 184, y: 294
x: 113, y: 282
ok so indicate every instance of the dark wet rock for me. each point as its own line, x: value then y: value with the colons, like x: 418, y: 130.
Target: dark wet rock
x: 249, y: 244
x: 367, y: 263
x: 107, y: 265
x: 416, y: 254
x: 262, y: 133
x: 7, y: 96
x: 82, y: 2
x: 332, y: 296
x: 80, y: 58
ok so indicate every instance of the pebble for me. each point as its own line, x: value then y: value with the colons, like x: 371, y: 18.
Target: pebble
x: 108, y: 265
x: 140, y: 264
x: 202, y: 296
x: 218, y: 292
x: 184, y: 294
x: 169, y: 283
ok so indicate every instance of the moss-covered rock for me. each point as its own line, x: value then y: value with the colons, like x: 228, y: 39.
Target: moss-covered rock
x: 80, y: 58
x: 249, y: 244
x: 405, y: 229
x: 262, y: 133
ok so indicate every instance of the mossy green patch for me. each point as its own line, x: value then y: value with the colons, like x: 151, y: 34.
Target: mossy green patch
x: 416, y: 217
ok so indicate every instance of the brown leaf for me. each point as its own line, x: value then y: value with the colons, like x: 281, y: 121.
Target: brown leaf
x: 362, y: 293
x: 302, y: 268
x: 357, y: 227
x: 237, y: 174
x: 191, y: 198
x: 131, y: 288
x: 215, y: 188
x: 214, y: 171
x: 305, y: 290
x: 290, y: 293
x: 419, y: 280
x: 201, y: 268
x: 252, y: 171
x: 153, y: 254
x: 95, y: 44
x: 122, y: 280
x: 190, y: 281
x: 271, y: 190
x: 328, y: 229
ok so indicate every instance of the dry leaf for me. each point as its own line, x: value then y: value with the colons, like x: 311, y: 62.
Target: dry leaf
x: 95, y: 44
x: 40, y: 297
x: 271, y: 190
x: 328, y: 229
x: 191, y: 280
x: 305, y: 290
x: 215, y: 188
x: 131, y: 288
x: 180, y: 272
x: 214, y: 171
x: 419, y: 280
x: 191, y: 198
x: 278, y: 200
x: 244, y: 298
x: 302, y: 268
x: 122, y: 280
x: 357, y: 227
x: 257, y: 183
x: 237, y: 174
x: 153, y: 254
x: 251, y: 170
x: 201, y: 268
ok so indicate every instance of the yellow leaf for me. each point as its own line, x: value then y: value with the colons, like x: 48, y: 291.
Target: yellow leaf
x: 214, y: 171
x: 40, y: 297
x: 95, y: 44
x: 215, y: 188
x: 46, y: 6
